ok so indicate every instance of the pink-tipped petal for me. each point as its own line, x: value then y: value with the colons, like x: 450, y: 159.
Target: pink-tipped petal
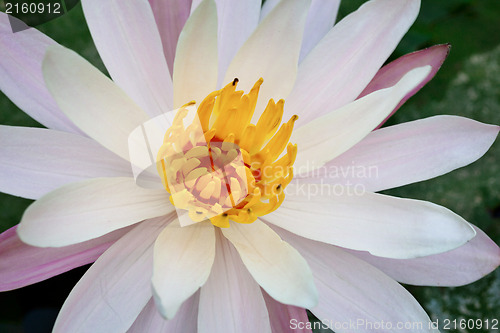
x: 21, y: 56
x: 36, y: 161
x: 338, y: 69
x: 22, y: 264
x: 128, y: 41
x: 356, y: 293
x: 170, y: 16
x: 394, y: 71
x: 230, y: 290
x: 320, y: 20
x: 330, y: 135
x: 116, y: 287
x: 89, y: 209
x: 185, y: 321
x: 285, y: 317
x: 410, y: 152
x: 466, y: 264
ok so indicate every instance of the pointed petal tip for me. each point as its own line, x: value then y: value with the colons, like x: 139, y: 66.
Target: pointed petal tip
x: 308, y: 298
x: 443, y: 49
x: 50, y: 52
x: 313, y: 298
x: 167, y: 312
x: 183, y: 260
x: 24, y: 234
x: 276, y: 265
x: 420, y: 73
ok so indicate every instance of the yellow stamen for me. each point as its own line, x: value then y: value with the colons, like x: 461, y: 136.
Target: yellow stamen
x: 223, y: 167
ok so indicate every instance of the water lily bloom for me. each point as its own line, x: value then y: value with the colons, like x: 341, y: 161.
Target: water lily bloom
x: 277, y: 172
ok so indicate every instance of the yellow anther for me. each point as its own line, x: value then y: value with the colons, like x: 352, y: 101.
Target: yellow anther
x: 197, y: 152
x: 223, y: 167
x: 207, y: 192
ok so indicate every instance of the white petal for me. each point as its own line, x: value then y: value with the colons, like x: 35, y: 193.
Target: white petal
x: 274, y: 264
x: 383, y: 225
x: 271, y: 52
x: 237, y: 20
x: 194, y: 5
x: 195, y: 63
x: 88, y: 209
x: 320, y: 20
x: 267, y: 7
x: 115, y: 289
x: 337, y: 70
x: 23, y: 265
x: 182, y: 262
x: 21, y: 55
x: 127, y: 38
x: 464, y: 265
x: 150, y: 320
x: 170, y: 16
x: 411, y: 152
x: 91, y: 100
x: 328, y: 136
x: 231, y: 300
x: 36, y: 161
x: 283, y: 316
x: 355, y: 295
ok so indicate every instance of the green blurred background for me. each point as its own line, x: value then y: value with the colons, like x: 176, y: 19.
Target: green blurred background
x: 468, y: 85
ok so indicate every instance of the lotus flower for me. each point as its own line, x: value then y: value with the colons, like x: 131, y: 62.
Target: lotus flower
x: 294, y: 239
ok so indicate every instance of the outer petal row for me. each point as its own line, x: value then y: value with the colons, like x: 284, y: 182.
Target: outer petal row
x: 36, y: 161
x: 330, y: 135
x: 185, y: 321
x: 22, y: 264
x: 170, y: 16
x: 104, y: 295
x: 284, y: 316
x: 383, y: 225
x: 91, y: 100
x: 391, y: 73
x: 320, y: 20
x: 464, y: 265
x: 130, y: 46
x: 410, y: 152
x: 352, y: 53
x: 344, y: 282
x: 21, y: 79
x: 230, y: 290
x: 81, y: 211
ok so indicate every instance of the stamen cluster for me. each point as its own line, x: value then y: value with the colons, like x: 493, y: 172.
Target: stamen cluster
x: 222, y: 167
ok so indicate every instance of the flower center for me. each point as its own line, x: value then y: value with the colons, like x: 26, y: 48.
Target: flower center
x: 222, y: 167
